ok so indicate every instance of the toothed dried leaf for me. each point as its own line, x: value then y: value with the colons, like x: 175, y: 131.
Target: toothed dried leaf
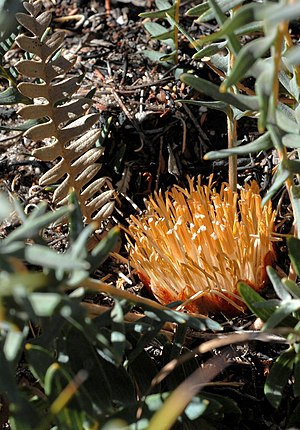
x: 69, y: 125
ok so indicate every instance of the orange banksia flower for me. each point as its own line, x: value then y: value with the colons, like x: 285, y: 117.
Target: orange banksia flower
x: 195, y: 244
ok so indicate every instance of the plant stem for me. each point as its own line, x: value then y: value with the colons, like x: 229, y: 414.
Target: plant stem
x: 231, y: 133
x: 176, y: 17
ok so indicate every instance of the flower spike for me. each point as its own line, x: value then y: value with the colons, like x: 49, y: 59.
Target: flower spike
x: 195, y: 244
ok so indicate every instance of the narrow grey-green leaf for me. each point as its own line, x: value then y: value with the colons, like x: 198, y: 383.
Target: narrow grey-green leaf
x: 263, y: 143
x: 203, y: 86
x: 293, y: 55
x: 204, y: 8
x: 278, y: 377
x: 44, y: 304
x: 254, y: 301
x: 157, y: 13
x: 283, y: 12
x: 245, y: 59
x: 223, y: 107
x: 295, y: 195
x: 12, y: 96
x: 278, y: 286
x: 45, y: 257
x: 281, y: 176
x: 286, y: 119
x: 294, y: 166
x: 292, y: 287
x: 263, y: 90
x: 209, y: 50
x: 291, y: 140
x: 286, y: 308
x: 294, y: 252
x: 32, y: 228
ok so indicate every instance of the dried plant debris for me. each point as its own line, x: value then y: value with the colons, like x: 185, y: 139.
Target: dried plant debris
x: 62, y: 118
x: 195, y: 244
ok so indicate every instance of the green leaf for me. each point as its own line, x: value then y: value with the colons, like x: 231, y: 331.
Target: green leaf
x: 286, y: 308
x: 281, y: 176
x: 27, y: 281
x: 203, y: 86
x: 278, y: 377
x: 292, y: 287
x: 263, y: 143
x: 293, y: 166
x: 12, y: 96
x: 24, y: 126
x: 82, y: 355
x: 5, y: 207
x: 13, y: 346
x: 295, y: 197
x: 76, y: 224
x: 159, y: 32
x: 278, y: 286
x: 118, y: 338
x: 101, y: 251
x: 32, y: 226
x: 283, y: 12
x: 253, y: 300
x: 291, y: 140
x: 8, y: 383
x: 233, y: 41
x: 286, y: 119
x: 158, y: 13
x: 155, y: 56
x: 245, y: 59
x: 296, y: 386
x: 293, y: 55
x: 206, y: 14
x: 264, y: 90
x: 39, y: 360
x: 294, y: 253
x: 163, y: 4
x: 210, y: 50
x: 45, y: 257
x: 243, y: 16
x: 44, y: 304
x: 221, y: 106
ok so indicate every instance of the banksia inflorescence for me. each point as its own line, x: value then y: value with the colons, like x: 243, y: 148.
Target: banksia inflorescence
x: 195, y: 244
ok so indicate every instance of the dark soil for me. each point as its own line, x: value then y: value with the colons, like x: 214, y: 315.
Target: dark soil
x: 152, y: 143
